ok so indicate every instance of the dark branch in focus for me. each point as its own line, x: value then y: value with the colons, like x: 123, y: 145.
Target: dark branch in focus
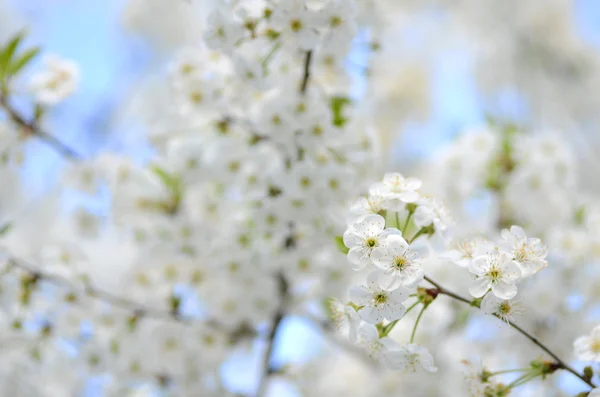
x: 559, y: 362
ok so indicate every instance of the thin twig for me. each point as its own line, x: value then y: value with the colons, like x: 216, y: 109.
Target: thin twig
x: 561, y: 364
x: 306, y: 74
x: 279, y: 315
x: 32, y: 128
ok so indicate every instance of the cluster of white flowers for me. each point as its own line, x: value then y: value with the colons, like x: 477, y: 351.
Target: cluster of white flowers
x: 377, y: 240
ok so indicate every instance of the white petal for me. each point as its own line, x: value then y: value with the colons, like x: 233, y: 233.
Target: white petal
x: 358, y: 259
x: 479, y: 287
x: 371, y: 314
x: 352, y: 238
x: 504, y: 290
x: 393, y: 311
x: 381, y: 258
x: 360, y: 295
x: 389, y: 280
x: 371, y: 225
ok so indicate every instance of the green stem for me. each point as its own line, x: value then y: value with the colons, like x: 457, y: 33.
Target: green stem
x: 410, y: 213
x: 397, y: 220
x: 414, y: 331
x: 523, y: 379
x: 508, y: 371
x: 268, y: 57
x: 417, y: 234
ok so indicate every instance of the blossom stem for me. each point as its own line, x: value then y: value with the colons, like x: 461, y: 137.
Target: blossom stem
x: 559, y: 362
x: 32, y: 128
x: 410, y: 213
x: 414, y: 331
x: 417, y: 234
x: 523, y: 379
x: 268, y: 57
x: 508, y: 371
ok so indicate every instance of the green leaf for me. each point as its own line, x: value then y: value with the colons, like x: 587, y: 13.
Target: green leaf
x: 8, y: 51
x: 172, y: 182
x: 39, y: 112
x: 337, y: 104
x: 16, y: 66
x: 339, y: 242
x: 5, y: 228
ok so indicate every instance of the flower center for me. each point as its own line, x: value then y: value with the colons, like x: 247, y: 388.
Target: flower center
x: 380, y: 298
x: 371, y: 242
x: 296, y: 25
x: 595, y: 347
x: 400, y: 262
x: 495, y: 274
x: 504, y: 308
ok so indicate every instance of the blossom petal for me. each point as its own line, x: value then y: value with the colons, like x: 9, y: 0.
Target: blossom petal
x: 504, y: 290
x: 371, y: 314
x: 360, y: 295
x: 479, y: 287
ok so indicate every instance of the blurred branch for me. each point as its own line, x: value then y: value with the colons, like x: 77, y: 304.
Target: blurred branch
x: 31, y: 128
x: 267, y: 370
x: 138, y: 310
x: 559, y: 362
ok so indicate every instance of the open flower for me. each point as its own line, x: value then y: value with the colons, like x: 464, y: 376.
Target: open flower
x: 397, y: 262
x: 363, y: 237
x: 497, y: 271
x: 587, y: 348
x: 464, y: 251
x: 399, y: 190
x: 378, y: 303
x: 529, y: 253
x: 505, y: 309
x: 384, y: 350
x: 346, y: 319
x: 419, y: 358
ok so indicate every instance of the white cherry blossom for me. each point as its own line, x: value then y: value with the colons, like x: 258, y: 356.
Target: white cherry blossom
x: 497, y: 271
x: 529, y: 253
x: 378, y: 303
x: 587, y: 348
x: 398, y: 263
x: 363, y: 237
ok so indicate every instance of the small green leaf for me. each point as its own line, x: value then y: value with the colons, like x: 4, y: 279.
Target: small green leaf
x: 39, y: 112
x: 19, y: 63
x: 8, y: 51
x: 339, y: 242
x: 337, y: 104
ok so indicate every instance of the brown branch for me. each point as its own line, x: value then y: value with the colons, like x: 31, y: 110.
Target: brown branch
x: 560, y: 363
x: 31, y: 128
